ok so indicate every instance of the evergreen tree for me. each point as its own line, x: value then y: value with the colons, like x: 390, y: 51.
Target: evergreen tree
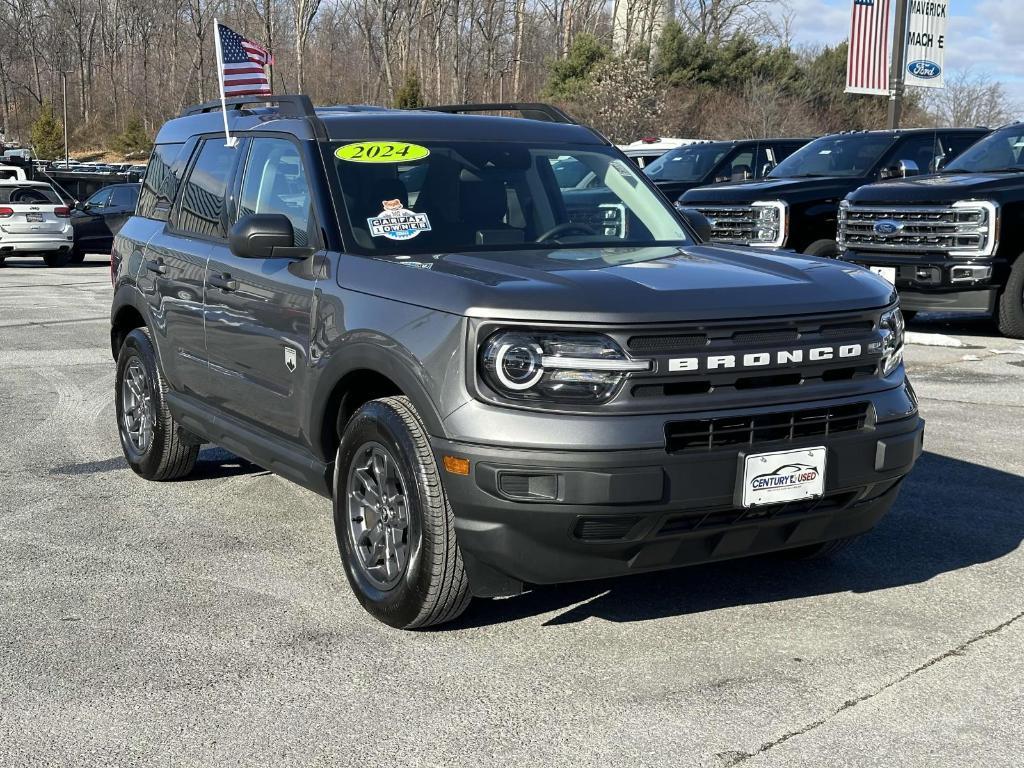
x: 133, y: 141
x: 410, y: 94
x: 569, y: 78
x: 47, y: 134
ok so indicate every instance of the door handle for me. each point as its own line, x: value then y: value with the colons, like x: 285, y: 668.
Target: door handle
x: 156, y: 265
x: 223, y: 281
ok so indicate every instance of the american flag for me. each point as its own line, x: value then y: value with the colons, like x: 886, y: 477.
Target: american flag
x: 242, y: 63
x: 867, y: 68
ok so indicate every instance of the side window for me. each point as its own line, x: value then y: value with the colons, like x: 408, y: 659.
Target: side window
x: 124, y: 197
x: 201, y: 210
x: 100, y: 199
x: 275, y: 182
x: 740, y: 167
x: 161, y: 184
x: 921, y: 150
x: 954, y: 144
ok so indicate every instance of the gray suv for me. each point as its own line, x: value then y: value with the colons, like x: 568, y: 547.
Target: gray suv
x: 497, y: 384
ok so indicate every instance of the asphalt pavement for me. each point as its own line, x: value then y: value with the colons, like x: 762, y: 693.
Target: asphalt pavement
x: 208, y: 621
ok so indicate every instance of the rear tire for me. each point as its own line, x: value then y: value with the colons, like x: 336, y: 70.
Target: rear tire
x: 394, y: 524
x: 77, y: 256
x: 822, y: 551
x: 1010, y: 314
x: 909, y: 314
x: 57, y: 258
x: 154, y: 445
x: 827, y: 249
x: 3, y: 259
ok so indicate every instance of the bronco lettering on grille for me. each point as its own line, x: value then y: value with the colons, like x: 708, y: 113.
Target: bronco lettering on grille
x: 764, y: 359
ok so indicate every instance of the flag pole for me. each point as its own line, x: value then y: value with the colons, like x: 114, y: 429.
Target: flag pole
x: 229, y: 140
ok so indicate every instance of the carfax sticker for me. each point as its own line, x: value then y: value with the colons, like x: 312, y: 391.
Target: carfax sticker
x: 396, y: 222
x: 381, y: 152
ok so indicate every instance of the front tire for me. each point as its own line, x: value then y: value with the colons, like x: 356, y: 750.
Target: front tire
x: 1010, y: 314
x: 154, y: 446
x: 827, y: 249
x: 394, y: 524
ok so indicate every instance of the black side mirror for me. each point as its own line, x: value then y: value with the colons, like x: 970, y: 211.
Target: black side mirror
x: 257, y: 235
x: 698, y: 223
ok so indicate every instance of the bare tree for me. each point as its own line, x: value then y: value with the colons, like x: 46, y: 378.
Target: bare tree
x: 971, y: 99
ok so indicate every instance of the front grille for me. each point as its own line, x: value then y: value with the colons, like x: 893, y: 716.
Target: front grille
x: 732, y: 223
x: 729, y: 431
x: 726, y: 517
x: 917, y: 229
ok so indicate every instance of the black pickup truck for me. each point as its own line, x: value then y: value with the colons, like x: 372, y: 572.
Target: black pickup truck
x: 714, y: 162
x: 797, y: 205
x: 951, y: 241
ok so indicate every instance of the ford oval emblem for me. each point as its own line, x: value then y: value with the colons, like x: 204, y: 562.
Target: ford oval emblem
x: 886, y: 227
x: 924, y: 69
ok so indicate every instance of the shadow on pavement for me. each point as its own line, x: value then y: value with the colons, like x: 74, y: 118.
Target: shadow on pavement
x: 950, y: 515
x: 212, y: 463
x: 954, y: 325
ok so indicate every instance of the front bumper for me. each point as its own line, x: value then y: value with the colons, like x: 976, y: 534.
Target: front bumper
x: 628, y: 511
x: 932, y: 283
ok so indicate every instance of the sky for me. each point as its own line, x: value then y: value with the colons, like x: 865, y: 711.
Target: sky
x: 984, y: 35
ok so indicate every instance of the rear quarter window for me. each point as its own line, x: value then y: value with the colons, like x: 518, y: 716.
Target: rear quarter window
x: 163, y: 175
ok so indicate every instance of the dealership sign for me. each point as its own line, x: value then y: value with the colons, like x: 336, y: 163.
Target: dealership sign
x: 926, y: 43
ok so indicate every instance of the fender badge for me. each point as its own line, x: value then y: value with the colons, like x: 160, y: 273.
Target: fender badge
x: 289, y: 359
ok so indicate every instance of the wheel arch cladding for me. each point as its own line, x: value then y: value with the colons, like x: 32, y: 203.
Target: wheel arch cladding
x: 125, y: 318
x: 365, y: 373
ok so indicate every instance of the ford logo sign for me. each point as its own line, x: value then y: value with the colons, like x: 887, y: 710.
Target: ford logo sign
x: 886, y: 227
x: 924, y: 69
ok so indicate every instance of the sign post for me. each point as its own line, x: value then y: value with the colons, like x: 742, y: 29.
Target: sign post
x: 896, y: 87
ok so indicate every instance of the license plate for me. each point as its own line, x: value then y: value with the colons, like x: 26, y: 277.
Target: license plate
x: 33, y: 217
x: 889, y: 273
x: 775, y: 478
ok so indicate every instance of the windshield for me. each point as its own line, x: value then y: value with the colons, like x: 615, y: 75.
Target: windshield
x: 999, y: 151
x: 441, y: 197
x: 851, y: 155
x: 690, y: 163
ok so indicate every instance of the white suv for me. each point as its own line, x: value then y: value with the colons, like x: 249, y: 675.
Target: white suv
x: 34, y: 221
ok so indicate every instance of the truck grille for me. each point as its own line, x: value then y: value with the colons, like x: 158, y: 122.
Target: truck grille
x: 731, y: 223
x: 959, y: 230
x: 728, y: 431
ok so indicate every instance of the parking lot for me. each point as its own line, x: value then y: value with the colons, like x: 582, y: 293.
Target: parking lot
x: 208, y: 622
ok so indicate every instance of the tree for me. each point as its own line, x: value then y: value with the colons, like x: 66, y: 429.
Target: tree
x: 133, y: 141
x: 621, y: 99
x: 409, y: 94
x: 570, y: 77
x: 47, y: 134
x: 971, y: 99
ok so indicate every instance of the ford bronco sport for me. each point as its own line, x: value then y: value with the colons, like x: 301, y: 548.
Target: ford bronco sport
x: 395, y: 309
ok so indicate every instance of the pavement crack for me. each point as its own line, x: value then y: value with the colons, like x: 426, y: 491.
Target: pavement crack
x: 970, y: 402
x: 734, y: 758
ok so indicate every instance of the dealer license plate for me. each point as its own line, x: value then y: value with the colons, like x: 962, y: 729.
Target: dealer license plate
x: 33, y: 217
x: 889, y: 273
x: 775, y: 478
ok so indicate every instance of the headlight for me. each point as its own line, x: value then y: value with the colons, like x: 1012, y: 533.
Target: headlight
x: 977, y: 228
x: 560, y: 367
x: 770, y: 223
x: 893, y: 328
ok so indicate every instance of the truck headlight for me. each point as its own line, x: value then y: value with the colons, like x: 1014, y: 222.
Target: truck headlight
x: 560, y: 367
x: 771, y: 222
x: 893, y: 328
x: 977, y: 228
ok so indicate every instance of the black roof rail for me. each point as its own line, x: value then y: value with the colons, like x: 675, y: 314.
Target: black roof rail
x: 529, y: 110
x: 287, y: 106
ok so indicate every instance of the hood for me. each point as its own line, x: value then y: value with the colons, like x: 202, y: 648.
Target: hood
x: 940, y: 189
x: 673, y: 189
x: 790, y: 190
x: 659, y: 284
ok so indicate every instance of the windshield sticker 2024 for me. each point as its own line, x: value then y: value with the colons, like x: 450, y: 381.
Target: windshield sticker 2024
x: 396, y: 222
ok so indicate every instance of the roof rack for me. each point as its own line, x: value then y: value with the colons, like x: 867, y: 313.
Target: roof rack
x: 287, y: 106
x: 529, y: 110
